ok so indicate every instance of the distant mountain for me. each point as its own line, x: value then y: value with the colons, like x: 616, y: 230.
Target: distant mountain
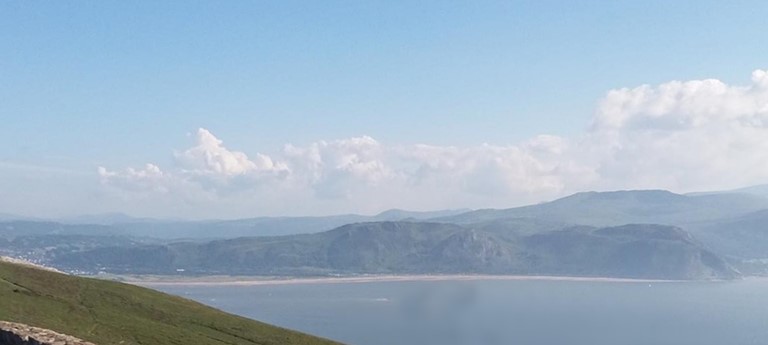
x: 106, y: 219
x: 17, y: 228
x: 638, y: 251
x: 219, y: 229
x: 588, y: 208
x: 757, y: 190
x: 744, y: 237
x: 513, y: 228
x: 125, y: 225
x: 397, y: 214
x: 11, y: 217
x: 631, y: 251
x: 730, y: 224
x: 107, y: 312
x: 624, y: 207
x: 268, y: 226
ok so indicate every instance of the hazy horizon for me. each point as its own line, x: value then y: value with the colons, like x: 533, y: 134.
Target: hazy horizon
x: 117, y: 216
x: 171, y: 111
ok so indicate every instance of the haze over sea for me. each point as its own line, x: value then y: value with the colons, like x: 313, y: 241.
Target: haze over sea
x: 504, y: 311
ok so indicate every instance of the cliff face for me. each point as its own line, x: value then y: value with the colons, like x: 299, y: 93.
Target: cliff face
x: 20, y: 334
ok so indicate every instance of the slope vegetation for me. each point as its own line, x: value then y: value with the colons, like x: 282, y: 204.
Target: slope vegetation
x: 106, y: 312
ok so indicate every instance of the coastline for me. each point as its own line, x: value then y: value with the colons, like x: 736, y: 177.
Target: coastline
x: 265, y: 280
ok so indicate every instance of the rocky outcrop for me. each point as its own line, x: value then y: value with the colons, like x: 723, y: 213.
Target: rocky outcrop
x: 20, y: 334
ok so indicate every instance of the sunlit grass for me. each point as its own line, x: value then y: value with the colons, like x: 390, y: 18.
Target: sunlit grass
x: 107, y: 312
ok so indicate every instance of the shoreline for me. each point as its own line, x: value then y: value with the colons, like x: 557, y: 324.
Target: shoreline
x: 265, y: 280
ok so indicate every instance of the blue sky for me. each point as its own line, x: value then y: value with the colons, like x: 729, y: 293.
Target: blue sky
x: 120, y: 84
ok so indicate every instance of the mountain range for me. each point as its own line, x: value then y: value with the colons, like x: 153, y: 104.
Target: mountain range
x: 639, y: 234
x: 629, y: 251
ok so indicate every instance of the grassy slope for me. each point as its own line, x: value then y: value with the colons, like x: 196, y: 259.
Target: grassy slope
x: 107, y: 312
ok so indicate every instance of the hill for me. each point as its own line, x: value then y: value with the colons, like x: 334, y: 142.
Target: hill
x: 631, y: 251
x: 123, y: 225
x: 107, y: 312
x: 745, y: 236
x: 636, y: 250
x: 757, y: 190
x: 625, y: 207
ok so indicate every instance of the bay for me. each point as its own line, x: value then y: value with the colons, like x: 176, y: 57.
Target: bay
x: 504, y: 311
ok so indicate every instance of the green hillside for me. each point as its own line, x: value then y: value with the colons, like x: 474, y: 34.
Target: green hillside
x: 107, y: 312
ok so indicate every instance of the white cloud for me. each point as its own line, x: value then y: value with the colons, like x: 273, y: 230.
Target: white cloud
x: 693, y: 135
x: 148, y: 179
x: 535, y: 167
x: 685, y: 105
x: 684, y: 136
x: 338, y: 168
x: 210, y: 157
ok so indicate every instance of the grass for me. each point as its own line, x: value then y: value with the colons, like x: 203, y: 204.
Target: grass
x: 106, y: 312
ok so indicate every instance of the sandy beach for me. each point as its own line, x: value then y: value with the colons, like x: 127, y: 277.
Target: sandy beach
x: 250, y: 281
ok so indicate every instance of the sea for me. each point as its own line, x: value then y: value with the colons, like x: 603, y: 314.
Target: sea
x: 504, y: 312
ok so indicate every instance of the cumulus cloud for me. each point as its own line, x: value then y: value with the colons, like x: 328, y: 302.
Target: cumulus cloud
x: 697, y: 134
x: 685, y: 105
x: 223, y: 171
x: 535, y: 167
x: 338, y: 168
x: 210, y: 157
x: 680, y: 135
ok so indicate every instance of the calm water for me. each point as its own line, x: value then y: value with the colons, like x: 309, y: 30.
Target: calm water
x: 506, y: 312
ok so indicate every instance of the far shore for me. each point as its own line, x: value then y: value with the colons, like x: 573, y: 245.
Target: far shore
x: 153, y: 280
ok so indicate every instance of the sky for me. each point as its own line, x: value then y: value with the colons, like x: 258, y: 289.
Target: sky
x: 208, y: 109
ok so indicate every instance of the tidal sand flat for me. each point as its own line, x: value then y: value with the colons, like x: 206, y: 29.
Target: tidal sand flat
x: 248, y: 281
